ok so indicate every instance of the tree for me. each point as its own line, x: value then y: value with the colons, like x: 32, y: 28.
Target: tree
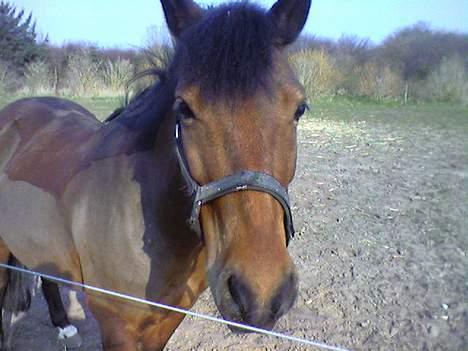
x: 417, y: 51
x: 18, y: 44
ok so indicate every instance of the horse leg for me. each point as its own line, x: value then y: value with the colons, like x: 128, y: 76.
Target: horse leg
x: 57, y: 312
x: 68, y: 333
x: 156, y: 335
x: 117, y: 333
x: 122, y: 330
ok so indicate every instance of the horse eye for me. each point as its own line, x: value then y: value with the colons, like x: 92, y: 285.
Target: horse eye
x: 300, y: 111
x: 183, y: 110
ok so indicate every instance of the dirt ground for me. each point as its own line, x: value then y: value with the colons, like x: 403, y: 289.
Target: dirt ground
x: 381, y: 211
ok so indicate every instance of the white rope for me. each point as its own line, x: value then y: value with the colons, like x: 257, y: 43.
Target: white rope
x: 176, y: 309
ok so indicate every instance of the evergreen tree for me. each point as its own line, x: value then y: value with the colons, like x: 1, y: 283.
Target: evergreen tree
x: 18, y: 44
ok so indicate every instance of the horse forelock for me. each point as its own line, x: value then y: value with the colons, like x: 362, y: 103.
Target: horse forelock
x: 228, y: 54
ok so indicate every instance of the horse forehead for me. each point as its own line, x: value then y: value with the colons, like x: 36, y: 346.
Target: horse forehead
x: 221, y: 107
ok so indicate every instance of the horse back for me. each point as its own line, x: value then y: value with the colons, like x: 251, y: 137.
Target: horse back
x: 47, y: 138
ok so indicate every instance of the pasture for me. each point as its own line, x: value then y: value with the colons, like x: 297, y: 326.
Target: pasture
x: 380, y: 202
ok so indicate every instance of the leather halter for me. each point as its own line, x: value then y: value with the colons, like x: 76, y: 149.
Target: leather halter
x: 243, y: 180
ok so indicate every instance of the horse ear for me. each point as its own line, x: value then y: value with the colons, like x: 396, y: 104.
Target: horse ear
x: 180, y: 14
x: 289, y: 17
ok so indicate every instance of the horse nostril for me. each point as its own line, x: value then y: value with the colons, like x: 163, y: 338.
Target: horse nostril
x: 240, y: 294
x: 285, y: 297
x: 276, y: 305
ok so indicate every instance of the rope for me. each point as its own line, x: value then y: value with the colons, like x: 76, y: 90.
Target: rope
x: 175, y: 309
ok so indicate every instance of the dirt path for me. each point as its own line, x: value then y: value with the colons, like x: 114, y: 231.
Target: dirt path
x: 381, y: 212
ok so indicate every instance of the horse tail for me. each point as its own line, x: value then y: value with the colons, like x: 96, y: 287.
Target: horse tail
x: 18, y: 293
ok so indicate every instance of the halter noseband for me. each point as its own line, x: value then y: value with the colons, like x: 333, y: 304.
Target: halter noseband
x: 243, y: 180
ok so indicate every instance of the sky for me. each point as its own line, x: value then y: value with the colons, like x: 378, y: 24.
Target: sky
x: 127, y: 24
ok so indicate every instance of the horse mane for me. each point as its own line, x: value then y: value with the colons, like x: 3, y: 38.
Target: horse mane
x: 144, y: 112
x: 228, y: 55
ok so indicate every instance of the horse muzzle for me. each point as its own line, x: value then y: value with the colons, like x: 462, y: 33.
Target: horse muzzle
x: 237, y: 301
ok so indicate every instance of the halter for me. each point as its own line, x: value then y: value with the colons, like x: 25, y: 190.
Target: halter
x: 241, y: 181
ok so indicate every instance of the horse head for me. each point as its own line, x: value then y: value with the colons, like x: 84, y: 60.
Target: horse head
x: 237, y: 106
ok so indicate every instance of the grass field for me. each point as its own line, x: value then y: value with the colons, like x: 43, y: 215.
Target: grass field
x: 437, y: 115
x: 101, y: 107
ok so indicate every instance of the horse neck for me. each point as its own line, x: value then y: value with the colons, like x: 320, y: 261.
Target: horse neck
x: 166, y: 186
x: 166, y: 207
x: 161, y: 232
x: 146, y: 129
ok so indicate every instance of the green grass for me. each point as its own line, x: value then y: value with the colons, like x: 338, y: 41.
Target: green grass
x: 437, y: 115
x: 6, y: 99
x: 100, y: 106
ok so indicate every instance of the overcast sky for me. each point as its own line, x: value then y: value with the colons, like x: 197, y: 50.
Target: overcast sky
x: 124, y: 23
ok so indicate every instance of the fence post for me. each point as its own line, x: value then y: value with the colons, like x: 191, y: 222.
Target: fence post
x: 406, y: 92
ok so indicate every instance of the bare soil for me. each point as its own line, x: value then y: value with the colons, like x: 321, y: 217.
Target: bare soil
x: 381, y: 212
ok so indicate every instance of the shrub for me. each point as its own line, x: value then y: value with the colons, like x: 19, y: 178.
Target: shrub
x: 82, y: 76
x: 349, y: 70
x: 116, y: 74
x: 152, y: 59
x: 449, y: 82
x: 9, y: 81
x: 37, y: 78
x: 316, y: 72
x: 3, y: 77
x: 379, y: 82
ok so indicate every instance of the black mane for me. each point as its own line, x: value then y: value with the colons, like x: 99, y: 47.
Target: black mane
x: 228, y: 54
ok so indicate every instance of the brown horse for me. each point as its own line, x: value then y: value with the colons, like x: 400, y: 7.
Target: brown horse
x: 184, y: 189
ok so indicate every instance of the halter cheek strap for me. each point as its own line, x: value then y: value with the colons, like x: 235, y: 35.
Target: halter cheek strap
x: 241, y: 181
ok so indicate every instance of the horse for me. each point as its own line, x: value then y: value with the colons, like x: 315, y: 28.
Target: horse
x: 184, y: 189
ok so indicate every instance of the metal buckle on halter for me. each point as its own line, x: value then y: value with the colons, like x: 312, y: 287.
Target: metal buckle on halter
x: 241, y: 181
